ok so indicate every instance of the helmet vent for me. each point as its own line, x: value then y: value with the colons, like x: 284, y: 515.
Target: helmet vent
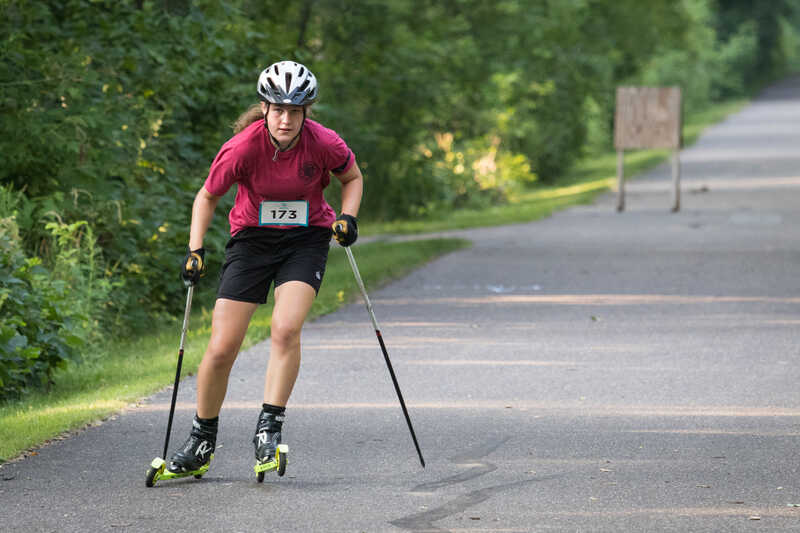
x: 287, y: 83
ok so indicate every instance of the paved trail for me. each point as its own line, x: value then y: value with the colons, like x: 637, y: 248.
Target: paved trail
x: 594, y: 371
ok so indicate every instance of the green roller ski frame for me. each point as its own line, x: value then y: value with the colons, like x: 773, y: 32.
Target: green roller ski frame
x: 278, y: 463
x: 158, y: 470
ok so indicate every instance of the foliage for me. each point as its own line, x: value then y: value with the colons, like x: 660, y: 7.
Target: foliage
x: 112, y: 112
x: 39, y: 328
x: 767, y: 23
x: 118, y: 130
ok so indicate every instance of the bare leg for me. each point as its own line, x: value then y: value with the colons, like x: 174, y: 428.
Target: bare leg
x: 228, y: 328
x: 293, y: 301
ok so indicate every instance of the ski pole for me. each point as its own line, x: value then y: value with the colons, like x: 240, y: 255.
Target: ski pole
x: 383, y: 349
x: 189, y: 293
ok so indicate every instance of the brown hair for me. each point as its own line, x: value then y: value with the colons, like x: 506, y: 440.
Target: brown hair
x: 252, y: 114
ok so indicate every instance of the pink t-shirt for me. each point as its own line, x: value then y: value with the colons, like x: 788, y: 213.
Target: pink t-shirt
x: 297, y: 174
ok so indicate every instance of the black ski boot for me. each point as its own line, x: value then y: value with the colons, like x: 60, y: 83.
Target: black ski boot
x: 270, y: 453
x: 198, y: 450
x: 268, y: 433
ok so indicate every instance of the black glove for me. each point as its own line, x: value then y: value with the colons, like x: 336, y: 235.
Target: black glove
x: 345, y: 229
x: 194, y: 266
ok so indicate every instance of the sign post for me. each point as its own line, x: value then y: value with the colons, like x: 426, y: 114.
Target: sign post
x: 648, y: 117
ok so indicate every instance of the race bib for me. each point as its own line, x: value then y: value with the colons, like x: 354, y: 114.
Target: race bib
x: 294, y: 213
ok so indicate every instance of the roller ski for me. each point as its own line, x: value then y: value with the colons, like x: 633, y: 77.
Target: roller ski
x: 158, y: 471
x: 271, y: 455
x: 192, y: 459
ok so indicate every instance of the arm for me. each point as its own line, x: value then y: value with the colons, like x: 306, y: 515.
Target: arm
x: 352, y: 189
x: 202, y: 212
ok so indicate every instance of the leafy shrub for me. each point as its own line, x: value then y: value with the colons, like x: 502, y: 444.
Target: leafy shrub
x: 51, y: 305
x: 121, y: 119
x: 40, y: 328
x: 79, y: 263
x: 706, y: 68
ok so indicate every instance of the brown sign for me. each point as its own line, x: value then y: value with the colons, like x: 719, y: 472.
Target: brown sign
x: 648, y: 117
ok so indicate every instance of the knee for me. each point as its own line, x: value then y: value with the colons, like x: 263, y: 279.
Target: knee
x: 285, y: 334
x: 219, y: 358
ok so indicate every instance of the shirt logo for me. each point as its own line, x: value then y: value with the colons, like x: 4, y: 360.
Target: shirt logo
x: 309, y: 170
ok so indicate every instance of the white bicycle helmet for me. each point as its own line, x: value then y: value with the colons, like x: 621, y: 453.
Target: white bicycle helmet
x: 287, y: 82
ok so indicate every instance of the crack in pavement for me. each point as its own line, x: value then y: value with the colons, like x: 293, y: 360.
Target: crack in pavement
x: 470, y: 458
x: 423, y: 521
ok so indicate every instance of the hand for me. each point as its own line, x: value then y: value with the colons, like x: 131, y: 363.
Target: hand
x: 194, y: 266
x: 345, y: 229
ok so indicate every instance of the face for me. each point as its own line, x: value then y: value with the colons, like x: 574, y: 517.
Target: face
x: 284, y: 121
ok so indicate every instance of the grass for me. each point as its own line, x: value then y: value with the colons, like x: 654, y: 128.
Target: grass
x: 594, y: 174
x: 128, y: 370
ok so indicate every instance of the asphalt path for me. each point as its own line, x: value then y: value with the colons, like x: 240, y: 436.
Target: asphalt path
x: 594, y: 371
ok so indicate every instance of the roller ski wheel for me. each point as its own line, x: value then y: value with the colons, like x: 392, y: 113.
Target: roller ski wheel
x: 158, y: 471
x: 277, y: 463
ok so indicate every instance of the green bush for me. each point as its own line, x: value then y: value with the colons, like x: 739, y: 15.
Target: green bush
x: 79, y: 264
x: 51, y: 305
x: 121, y: 118
x: 706, y: 68
x: 40, y: 327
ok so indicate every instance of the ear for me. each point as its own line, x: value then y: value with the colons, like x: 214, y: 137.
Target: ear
x: 264, y: 107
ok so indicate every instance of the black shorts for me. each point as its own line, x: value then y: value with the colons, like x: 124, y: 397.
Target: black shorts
x: 257, y: 257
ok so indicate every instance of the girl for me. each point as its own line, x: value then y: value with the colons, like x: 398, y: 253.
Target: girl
x: 280, y: 228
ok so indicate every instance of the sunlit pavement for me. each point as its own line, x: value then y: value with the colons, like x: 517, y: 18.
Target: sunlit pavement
x: 594, y: 371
